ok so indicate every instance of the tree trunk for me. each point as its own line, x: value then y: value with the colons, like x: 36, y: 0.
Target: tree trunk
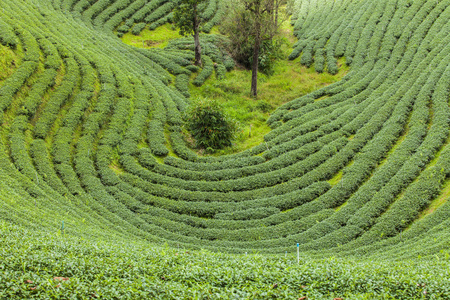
x: 198, y: 48
x: 277, y: 6
x: 256, y: 48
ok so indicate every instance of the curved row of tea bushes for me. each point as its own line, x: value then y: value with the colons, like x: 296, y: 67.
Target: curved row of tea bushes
x: 277, y: 163
x: 93, y: 204
x: 428, y: 184
x: 106, y: 14
x: 19, y: 152
x: 403, y: 151
x: 214, y: 18
x: 208, y: 68
x: 435, y: 138
x: 84, y: 165
x: 39, y: 87
x: 427, y: 89
x: 399, y: 49
x: 7, y: 35
x: 169, y: 209
x: 61, y: 147
x: 271, y: 178
x: 135, y: 15
x: 50, y: 111
x: 28, y: 66
x: 121, y: 15
x: 95, y: 9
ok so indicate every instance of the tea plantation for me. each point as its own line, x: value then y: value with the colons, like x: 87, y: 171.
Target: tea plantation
x: 101, y: 197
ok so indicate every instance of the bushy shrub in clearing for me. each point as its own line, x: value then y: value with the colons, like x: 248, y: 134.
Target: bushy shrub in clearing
x: 208, y: 124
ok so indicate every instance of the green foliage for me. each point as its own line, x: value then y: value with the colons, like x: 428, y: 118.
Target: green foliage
x: 137, y: 28
x: 239, y: 26
x: 264, y: 106
x: 7, y: 36
x: 99, y: 267
x: 214, y: 55
x: 91, y: 135
x: 206, y: 72
x: 269, y: 54
x: 185, y: 13
x: 209, y: 125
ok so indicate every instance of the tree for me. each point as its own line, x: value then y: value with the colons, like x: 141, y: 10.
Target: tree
x: 252, y: 21
x: 187, y: 16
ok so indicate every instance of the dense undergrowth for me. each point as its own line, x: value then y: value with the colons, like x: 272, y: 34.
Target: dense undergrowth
x: 92, y: 144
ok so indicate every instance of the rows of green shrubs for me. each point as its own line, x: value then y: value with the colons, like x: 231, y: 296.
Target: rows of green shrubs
x: 102, y: 268
x: 135, y: 15
x: 92, y: 119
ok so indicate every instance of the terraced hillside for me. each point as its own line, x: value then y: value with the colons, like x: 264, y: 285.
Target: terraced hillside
x: 91, y: 138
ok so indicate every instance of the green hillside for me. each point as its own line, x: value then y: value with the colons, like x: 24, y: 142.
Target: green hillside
x: 102, y: 197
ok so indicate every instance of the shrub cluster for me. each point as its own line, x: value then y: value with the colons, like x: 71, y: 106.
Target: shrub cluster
x: 209, y: 125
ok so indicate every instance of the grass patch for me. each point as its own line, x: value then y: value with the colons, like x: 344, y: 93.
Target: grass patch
x: 336, y: 179
x: 342, y: 206
x: 215, y: 30
x: 158, y: 38
x: 9, y: 62
x: 436, y: 203
x: 117, y: 169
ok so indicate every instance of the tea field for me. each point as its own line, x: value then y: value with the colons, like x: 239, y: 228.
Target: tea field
x: 102, y: 197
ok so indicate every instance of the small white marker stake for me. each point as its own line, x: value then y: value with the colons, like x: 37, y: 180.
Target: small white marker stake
x: 298, y: 253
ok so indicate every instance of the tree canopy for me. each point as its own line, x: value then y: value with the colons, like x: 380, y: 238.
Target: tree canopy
x: 187, y: 17
x: 249, y: 24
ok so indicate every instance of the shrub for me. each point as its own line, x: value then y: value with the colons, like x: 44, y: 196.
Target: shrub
x: 209, y: 125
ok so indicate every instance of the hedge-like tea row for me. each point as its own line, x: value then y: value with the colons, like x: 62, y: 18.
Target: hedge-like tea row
x: 30, y: 62
x: 7, y: 36
x: 135, y: 15
x: 121, y: 15
x: 50, y: 111
x: 208, y: 68
x: 214, y: 56
x: 218, y: 15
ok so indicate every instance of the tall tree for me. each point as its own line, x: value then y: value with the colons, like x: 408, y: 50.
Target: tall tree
x: 252, y: 21
x: 187, y: 17
x: 265, y: 16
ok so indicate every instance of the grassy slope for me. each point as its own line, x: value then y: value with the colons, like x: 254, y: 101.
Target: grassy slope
x: 158, y: 38
x: 9, y: 61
